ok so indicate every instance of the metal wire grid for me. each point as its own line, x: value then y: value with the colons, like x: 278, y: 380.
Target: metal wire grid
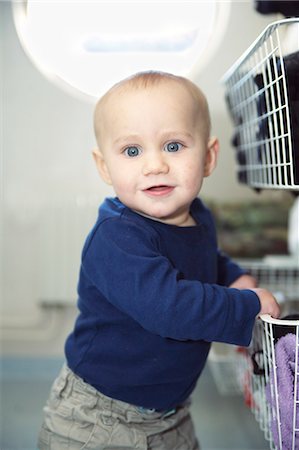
x: 228, y: 366
x: 278, y: 278
x: 258, y: 100
x: 262, y: 353
x: 283, y: 279
x: 269, y: 415
x: 259, y: 405
x: 262, y: 367
x: 232, y: 368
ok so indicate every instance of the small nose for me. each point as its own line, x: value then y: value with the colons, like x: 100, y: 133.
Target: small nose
x: 155, y: 164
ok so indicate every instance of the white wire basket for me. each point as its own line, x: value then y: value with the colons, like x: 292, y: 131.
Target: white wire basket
x: 228, y: 364
x: 267, y: 373
x: 273, y: 388
x: 263, y: 99
x: 278, y: 274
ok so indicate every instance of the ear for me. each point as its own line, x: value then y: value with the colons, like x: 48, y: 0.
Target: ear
x: 101, y: 165
x: 211, y: 156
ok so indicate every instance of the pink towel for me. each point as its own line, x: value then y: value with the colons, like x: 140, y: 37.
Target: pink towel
x: 285, y: 351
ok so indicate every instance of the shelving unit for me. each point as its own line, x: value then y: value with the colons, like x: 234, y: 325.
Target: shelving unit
x: 262, y: 96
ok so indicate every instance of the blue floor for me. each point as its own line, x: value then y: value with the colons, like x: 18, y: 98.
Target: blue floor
x: 222, y: 422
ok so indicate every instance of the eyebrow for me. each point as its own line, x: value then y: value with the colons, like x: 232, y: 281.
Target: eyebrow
x: 126, y: 139
x: 177, y: 134
x: 134, y: 138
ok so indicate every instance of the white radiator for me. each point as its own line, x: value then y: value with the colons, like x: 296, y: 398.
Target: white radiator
x: 65, y: 226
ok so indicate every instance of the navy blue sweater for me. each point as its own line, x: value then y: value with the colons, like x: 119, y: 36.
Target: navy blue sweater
x: 152, y: 297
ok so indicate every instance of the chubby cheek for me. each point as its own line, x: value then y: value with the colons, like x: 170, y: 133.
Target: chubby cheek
x: 121, y: 187
x: 124, y: 187
x: 193, y: 176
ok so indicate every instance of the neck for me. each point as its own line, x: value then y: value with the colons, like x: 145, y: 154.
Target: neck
x: 187, y: 221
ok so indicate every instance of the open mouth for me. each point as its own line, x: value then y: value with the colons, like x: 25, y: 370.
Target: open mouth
x: 159, y: 190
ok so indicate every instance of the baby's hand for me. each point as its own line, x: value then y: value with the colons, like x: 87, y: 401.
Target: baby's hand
x: 244, y: 282
x: 268, y: 303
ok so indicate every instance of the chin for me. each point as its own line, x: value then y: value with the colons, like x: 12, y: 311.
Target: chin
x: 158, y: 213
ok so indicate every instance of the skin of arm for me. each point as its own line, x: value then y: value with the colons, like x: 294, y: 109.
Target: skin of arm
x: 268, y: 302
x: 244, y: 282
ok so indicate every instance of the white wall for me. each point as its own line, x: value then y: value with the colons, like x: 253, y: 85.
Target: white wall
x: 48, y: 171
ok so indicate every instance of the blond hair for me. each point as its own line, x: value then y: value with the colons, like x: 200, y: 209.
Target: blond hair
x: 149, y: 79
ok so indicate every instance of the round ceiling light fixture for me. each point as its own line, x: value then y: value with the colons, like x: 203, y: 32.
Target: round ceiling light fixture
x: 86, y: 46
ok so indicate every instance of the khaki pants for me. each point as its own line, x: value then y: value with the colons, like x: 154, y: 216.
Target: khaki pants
x: 77, y: 416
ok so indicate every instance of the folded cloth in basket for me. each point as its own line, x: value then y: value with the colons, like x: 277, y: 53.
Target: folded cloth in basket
x: 285, y: 353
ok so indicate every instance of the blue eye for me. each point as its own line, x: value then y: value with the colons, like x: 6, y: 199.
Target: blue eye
x: 173, y: 146
x: 132, y: 151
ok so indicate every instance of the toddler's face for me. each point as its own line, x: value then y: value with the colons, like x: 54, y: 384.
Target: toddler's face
x: 153, y: 151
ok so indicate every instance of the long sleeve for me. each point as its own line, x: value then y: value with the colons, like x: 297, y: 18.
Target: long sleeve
x: 228, y: 270
x: 123, y: 261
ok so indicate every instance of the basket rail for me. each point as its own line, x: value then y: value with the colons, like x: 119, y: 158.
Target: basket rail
x: 261, y: 96
x: 284, y: 322
x: 270, y: 29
